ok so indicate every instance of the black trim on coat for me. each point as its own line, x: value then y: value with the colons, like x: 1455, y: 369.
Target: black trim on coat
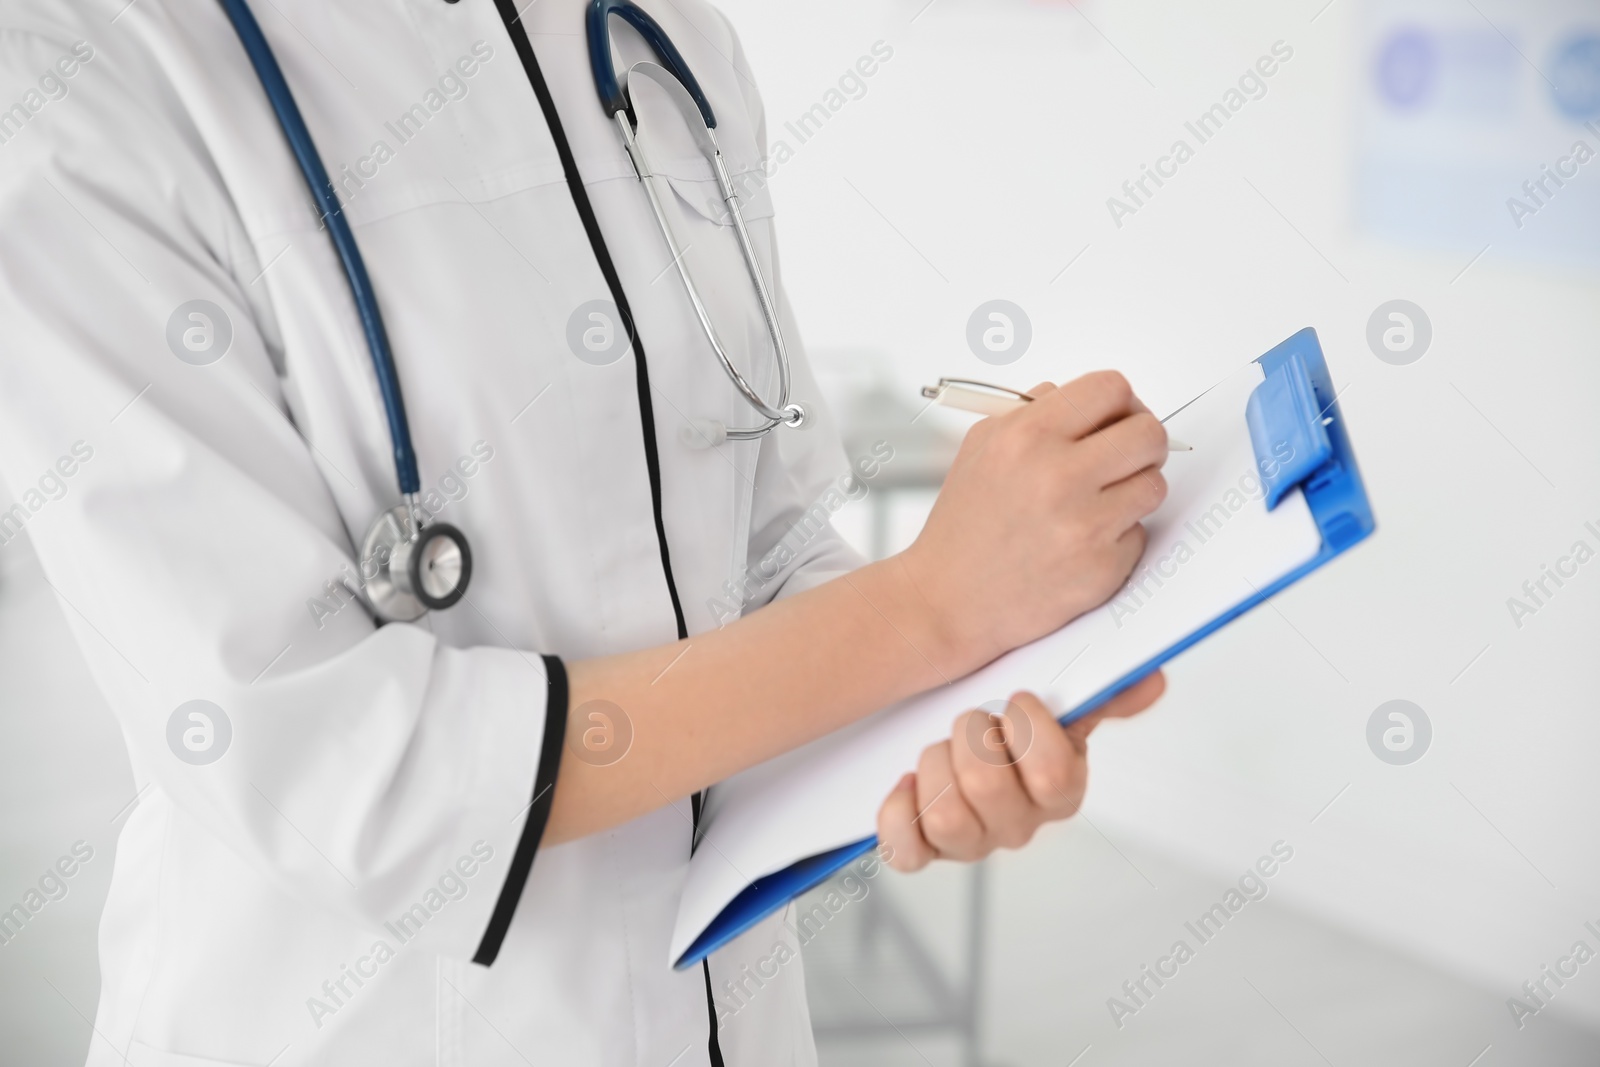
x: 647, y: 422
x: 544, y: 788
x: 602, y: 255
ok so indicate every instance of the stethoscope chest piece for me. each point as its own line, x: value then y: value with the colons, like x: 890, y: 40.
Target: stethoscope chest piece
x: 413, y: 571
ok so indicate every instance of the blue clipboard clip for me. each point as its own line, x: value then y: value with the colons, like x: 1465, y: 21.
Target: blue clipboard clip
x: 1298, y: 404
x: 1300, y: 441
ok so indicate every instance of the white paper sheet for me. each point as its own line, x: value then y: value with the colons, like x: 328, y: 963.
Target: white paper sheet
x: 1212, y: 544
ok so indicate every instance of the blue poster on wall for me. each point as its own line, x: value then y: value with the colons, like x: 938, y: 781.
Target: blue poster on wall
x: 1479, y: 126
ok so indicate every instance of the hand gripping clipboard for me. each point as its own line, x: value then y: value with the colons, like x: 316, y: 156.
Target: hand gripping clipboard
x: 1310, y: 506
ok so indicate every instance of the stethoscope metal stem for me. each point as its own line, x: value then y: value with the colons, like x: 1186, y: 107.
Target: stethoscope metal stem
x: 769, y: 306
x: 782, y: 413
x: 673, y: 76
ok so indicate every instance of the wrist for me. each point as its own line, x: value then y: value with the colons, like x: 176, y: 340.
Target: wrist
x: 907, y: 594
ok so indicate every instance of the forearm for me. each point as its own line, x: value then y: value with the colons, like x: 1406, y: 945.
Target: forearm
x: 1037, y: 522
x: 710, y: 706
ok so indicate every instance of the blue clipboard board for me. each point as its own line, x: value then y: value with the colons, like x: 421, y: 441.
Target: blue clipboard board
x: 1295, y: 403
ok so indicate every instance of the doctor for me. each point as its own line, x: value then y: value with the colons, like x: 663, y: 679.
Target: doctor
x: 399, y: 843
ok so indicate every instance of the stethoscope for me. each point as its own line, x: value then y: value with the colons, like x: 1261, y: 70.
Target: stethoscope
x: 673, y: 75
x: 416, y: 565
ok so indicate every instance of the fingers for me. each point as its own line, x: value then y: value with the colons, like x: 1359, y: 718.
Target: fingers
x: 1129, y: 548
x: 1136, y: 697
x: 966, y: 799
x: 1044, y: 388
x: 947, y: 821
x: 898, y: 828
x: 1134, y: 497
x: 996, y: 780
x: 1123, y: 438
x: 1129, y: 446
x: 983, y: 755
x: 1132, y: 700
x: 1052, y: 770
x: 1086, y: 404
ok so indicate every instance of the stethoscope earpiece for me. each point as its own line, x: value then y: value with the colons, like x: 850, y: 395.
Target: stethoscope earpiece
x: 709, y: 433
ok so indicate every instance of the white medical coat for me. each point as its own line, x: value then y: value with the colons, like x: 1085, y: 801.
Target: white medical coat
x: 200, y: 521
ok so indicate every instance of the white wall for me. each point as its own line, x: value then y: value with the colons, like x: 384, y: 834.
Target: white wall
x: 984, y: 151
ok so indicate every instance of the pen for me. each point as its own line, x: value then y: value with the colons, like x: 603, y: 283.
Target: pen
x: 981, y: 398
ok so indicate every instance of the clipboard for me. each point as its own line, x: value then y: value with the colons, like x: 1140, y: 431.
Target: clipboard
x: 1305, y: 466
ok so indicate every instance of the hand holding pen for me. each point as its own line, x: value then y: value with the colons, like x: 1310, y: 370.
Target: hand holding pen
x: 982, y: 398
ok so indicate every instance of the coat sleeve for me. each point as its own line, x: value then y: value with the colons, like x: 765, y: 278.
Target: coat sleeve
x: 802, y: 478
x: 183, y: 523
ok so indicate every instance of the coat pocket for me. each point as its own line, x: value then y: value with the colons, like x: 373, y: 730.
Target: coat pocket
x: 702, y: 196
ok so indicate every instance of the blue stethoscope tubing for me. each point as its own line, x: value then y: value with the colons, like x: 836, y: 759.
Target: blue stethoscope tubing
x: 598, y: 25
x: 422, y: 566
x: 415, y: 566
x: 332, y: 213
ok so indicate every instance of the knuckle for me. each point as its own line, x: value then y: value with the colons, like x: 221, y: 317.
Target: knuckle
x: 1134, y: 546
x: 1017, y: 835
x: 1155, y: 490
x: 1051, y: 782
x: 1112, y: 386
x: 983, y: 786
x: 1027, y: 433
x: 942, y: 825
x: 905, y: 861
x: 1119, y: 560
x: 1010, y: 442
x: 1152, y: 435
